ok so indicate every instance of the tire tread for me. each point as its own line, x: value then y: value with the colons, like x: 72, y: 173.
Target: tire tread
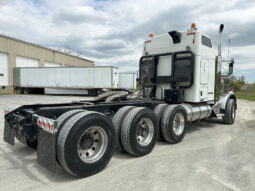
x: 117, y: 121
x: 159, y: 110
x: 63, y: 135
x: 126, y: 127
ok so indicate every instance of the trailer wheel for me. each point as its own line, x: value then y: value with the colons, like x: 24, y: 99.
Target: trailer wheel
x: 139, y: 131
x: 118, y: 121
x: 26, y: 91
x: 174, y: 121
x: 86, y: 143
x: 230, y: 112
x: 158, y: 110
x: 20, y: 90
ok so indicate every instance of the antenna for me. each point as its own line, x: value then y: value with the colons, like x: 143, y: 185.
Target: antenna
x: 228, y: 49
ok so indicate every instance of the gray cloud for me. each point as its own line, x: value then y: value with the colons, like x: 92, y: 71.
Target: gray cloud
x: 112, y: 32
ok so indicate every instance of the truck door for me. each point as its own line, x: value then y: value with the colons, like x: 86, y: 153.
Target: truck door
x: 204, y: 72
x: 204, y: 76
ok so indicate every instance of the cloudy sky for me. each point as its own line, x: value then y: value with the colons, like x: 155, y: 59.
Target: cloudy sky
x: 111, y: 32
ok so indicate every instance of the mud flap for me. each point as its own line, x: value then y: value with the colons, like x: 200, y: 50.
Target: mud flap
x: 46, y: 150
x: 8, y: 134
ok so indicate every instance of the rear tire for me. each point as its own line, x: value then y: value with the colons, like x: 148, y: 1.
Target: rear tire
x: 174, y: 122
x: 139, y: 131
x: 118, y: 121
x: 65, y: 116
x: 86, y: 143
x: 158, y: 110
x: 230, y: 112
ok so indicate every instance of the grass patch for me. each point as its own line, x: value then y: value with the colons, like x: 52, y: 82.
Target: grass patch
x: 249, y: 97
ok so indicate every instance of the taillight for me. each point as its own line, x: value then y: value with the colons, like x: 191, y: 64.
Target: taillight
x: 44, y: 124
x: 50, y: 125
x: 7, y: 110
x: 39, y: 122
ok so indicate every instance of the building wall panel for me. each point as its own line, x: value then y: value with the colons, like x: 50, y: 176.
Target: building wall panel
x: 17, y: 48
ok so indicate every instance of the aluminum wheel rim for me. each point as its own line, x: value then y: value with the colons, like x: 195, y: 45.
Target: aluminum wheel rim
x: 92, y: 144
x: 178, y: 124
x: 145, y: 131
x: 233, y: 112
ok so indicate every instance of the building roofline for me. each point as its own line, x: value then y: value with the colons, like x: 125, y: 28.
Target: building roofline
x: 50, y: 49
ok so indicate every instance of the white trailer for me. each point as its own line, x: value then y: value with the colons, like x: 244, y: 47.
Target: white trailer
x: 127, y: 80
x: 66, y: 80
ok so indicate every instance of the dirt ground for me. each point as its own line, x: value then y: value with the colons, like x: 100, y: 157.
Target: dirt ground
x: 212, y: 156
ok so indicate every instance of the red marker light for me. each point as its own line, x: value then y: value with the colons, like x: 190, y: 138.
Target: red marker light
x: 39, y: 122
x: 44, y: 124
x: 7, y: 110
x: 49, y: 125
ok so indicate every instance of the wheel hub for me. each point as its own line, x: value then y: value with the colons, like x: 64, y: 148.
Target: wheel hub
x: 145, y: 131
x: 178, y: 124
x: 88, y: 142
x: 92, y: 144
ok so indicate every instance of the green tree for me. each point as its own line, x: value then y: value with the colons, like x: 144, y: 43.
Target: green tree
x: 241, y: 80
x: 237, y: 83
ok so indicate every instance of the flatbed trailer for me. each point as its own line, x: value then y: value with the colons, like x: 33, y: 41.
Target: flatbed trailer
x: 178, y: 86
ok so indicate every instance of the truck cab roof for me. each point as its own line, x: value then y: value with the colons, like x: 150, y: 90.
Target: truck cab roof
x: 174, y: 41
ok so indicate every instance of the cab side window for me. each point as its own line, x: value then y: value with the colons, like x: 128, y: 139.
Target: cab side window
x: 206, y: 41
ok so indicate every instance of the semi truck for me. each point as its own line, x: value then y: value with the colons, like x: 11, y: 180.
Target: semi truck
x: 65, y: 80
x: 180, y: 83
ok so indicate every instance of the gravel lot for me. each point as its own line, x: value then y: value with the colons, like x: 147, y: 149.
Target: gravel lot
x: 212, y: 156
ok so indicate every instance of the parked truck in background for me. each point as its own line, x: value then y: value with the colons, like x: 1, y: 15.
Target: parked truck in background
x: 180, y: 80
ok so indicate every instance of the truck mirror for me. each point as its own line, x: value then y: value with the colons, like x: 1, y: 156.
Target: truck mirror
x: 231, y: 66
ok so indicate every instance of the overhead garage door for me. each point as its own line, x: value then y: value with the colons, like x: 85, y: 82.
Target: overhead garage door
x: 3, y: 69
x: 51, y: 64
x: 26, y: 62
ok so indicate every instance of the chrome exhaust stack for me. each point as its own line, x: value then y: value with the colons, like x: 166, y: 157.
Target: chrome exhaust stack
x: 218, y: 66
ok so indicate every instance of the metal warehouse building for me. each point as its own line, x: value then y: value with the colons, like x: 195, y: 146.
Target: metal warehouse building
x: 18, y: 53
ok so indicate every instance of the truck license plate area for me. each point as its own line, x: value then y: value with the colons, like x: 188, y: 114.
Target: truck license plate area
x: 46, y: 150
x: 8, y: 134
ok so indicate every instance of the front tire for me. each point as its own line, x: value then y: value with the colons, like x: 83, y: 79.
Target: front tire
x: 230, y: 112
x: 86, y: 143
